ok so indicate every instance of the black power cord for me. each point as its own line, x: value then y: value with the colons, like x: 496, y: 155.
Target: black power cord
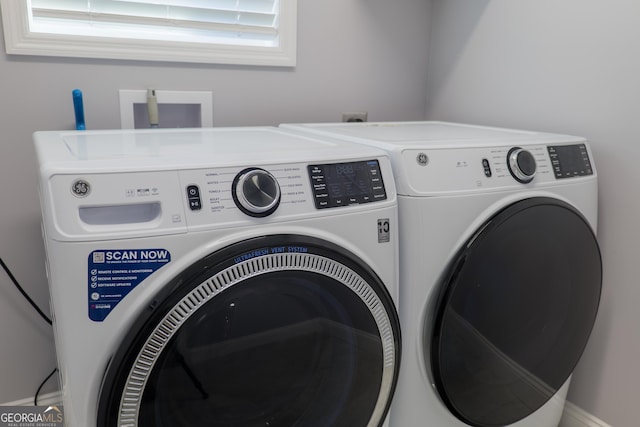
x: 40, y: 312
x: 24, y: 293
x: 35, y: 398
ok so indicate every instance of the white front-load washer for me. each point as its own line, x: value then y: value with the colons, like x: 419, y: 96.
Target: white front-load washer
x: 228, y: 277
x: 500, y: 273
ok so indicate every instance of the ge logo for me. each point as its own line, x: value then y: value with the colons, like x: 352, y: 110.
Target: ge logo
x: 80, y: 188
x: 422, y: 159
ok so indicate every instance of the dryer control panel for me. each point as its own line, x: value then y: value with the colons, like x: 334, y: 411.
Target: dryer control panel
x: 432, y: 171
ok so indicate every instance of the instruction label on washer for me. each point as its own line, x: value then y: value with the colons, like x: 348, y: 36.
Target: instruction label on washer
x: 113, y: 273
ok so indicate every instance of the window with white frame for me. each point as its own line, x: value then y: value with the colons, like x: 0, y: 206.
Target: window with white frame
x: 247, y: 32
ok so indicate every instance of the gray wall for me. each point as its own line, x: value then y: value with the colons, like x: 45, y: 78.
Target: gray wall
x: 573, y: 67
x: 358, y: 55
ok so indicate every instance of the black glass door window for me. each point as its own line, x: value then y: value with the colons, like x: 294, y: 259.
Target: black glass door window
x: 306, y: 339
x: 515, y: 311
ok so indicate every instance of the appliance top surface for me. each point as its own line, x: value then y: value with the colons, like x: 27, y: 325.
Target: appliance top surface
x: 395, y: 136
x: 176, y: 148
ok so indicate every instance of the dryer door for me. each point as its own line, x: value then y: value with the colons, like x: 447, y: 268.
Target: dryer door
x: 515, y: 311
x: 274, y: 331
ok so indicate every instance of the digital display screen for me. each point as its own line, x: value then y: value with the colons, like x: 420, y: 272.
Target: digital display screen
x: 342, y: 184
x: 347, y: 179
x: 570, y: 160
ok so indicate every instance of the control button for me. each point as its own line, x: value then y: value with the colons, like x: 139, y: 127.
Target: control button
x: 521, y: 164
x: 256, y: 192
x: 193, y: 191
x: 195, y: 204
x: 487, y: 168
x: 317, y: 174
x: 193, y: 197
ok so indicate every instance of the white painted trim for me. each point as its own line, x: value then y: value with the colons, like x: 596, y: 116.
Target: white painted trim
x: 575, y: 416
x: 48, y: 399
x: 20, y: 40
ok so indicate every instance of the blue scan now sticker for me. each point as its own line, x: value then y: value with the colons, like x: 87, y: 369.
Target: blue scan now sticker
x: 113, y: 273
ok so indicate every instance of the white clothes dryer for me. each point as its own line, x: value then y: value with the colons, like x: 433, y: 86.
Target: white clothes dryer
x: 229, y: 277
x: 500, y: 274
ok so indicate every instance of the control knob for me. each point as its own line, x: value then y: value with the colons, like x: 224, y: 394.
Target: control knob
x: 522, y: 165
x: 256, y: 192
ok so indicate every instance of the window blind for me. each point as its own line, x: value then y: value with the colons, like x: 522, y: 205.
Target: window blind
x: 206, y: 21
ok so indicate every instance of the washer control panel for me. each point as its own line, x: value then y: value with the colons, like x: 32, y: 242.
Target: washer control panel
x: 225, y: 196
x: 343, y: 184
x: 136, y: 204
x: 233, y: 195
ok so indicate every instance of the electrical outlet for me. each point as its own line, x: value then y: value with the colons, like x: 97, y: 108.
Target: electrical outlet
x: 360, y: 116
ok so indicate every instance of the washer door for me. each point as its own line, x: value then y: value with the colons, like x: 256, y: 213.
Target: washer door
x: 515, y: 311
x: 275, y: 331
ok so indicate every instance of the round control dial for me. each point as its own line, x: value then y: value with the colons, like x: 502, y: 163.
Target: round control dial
x: 256, y: 192
x: 522, y: 165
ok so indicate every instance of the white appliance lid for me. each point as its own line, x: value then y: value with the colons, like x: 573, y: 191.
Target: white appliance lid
x: 428, y: 134
x: 178, y: 148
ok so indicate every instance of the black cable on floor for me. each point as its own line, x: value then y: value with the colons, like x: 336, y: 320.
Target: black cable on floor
x: 40, y: 312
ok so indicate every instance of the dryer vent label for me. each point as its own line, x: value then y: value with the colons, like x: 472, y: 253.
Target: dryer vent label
x: 113, y: 273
